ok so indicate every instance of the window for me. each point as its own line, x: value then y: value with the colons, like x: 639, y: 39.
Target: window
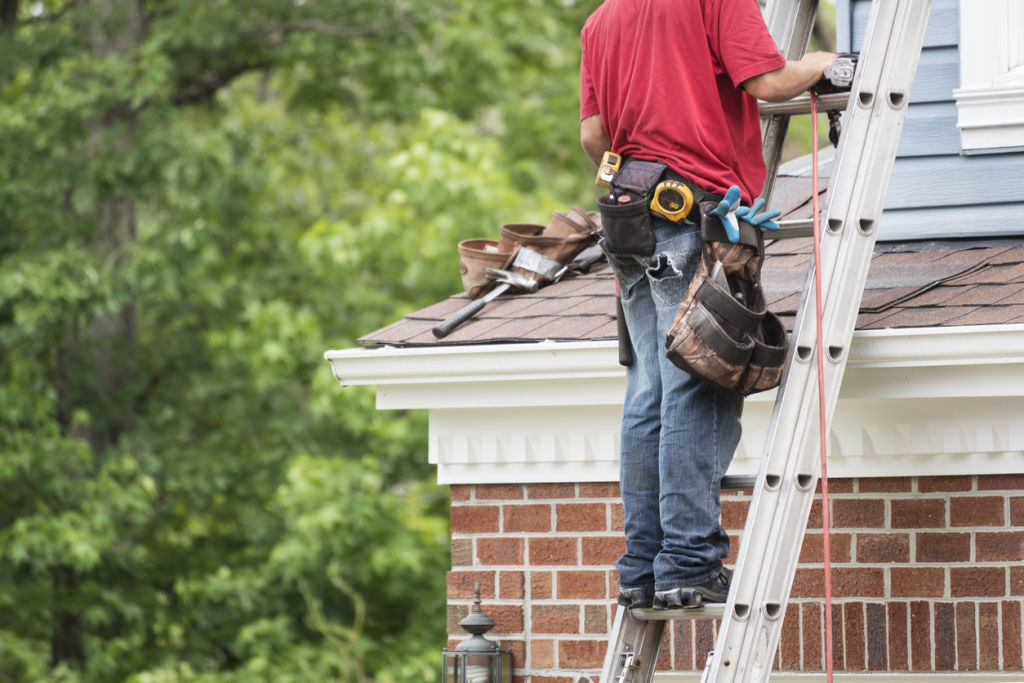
x: 990, y: 100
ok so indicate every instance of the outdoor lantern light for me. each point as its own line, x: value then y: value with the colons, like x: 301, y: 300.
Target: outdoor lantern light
x: 476, y: 659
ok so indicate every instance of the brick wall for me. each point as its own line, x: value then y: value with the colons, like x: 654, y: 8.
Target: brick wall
x: 928, y: 575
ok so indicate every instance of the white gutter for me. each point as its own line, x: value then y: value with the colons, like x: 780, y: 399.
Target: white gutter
x: 947, y: 399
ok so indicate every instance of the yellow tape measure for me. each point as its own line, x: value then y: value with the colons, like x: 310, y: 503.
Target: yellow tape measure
x: 672, y: 199
x: 607, y: 169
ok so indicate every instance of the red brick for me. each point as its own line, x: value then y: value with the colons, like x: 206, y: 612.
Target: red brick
x: 853, y: 635
x: 1012, y: 654
x: 537, y: 491
x: 527, y: 518
x: 917, y: 582
x: 920, y: 637
x: 945, y: 636
x: 555, y: 619
x: 549, y: 679
x: 600, y: 490
x: 554, y: 550
x: 859, y: 582
x: 808, y: 583
x: 734, y: 514
x: 542, y: 654
x: 456, y: 613
x: 581, y: 585
x: 462, y: 552
x: 618, y: 517
x: 941, y: 547
x: 988, y: 636
x: 857, y: 513
x: 1016, y: 580
x: 999, y: 546
x: 844, y: 485
x: 518, y: 648
x: 838, y: 641
x: 883, y: 548
x: 474, y: 519
x: 703, y: 639
x: 966, y: 639
x: 876, y: 636
x: 458, y: 493
x: 682, y: 644
x: 664, y: 662
x: 499, y: 491
x: 507, y: 618
x: 977, y: 582
x: 462, y: 584
x: 813, y: 549
x: 602, y: 550
x: 512, y: 585
x: 581, y: 517
x: 542, y: 585
x: 884, y: 485
x: 944, y: 484
x: 976, y: 511
x: 734, y: 548
x: 924, y: 513
x: 1001, y: 482
x: 899, y: 652
x: 789, y: 644
x: 1017, y: 511
x: 595, y: 619
x: 491, y: 551
x: 810, y: 624
x: 581, y: 654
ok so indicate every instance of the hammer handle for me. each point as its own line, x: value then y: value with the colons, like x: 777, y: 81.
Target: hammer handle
x: 468, y: 311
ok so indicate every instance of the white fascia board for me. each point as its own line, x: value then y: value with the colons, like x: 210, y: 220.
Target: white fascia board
x: 931, y: 400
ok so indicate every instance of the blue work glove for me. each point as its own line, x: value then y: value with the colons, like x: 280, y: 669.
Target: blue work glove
x: 758, y: 218
x: 726, y: 212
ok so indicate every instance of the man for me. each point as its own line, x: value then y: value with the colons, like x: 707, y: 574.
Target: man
x: 677, y: 81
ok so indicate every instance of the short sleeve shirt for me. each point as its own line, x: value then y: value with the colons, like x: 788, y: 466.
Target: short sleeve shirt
x: 665, y: 77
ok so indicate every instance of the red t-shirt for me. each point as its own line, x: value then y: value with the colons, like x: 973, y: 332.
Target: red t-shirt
x: 664, y: 75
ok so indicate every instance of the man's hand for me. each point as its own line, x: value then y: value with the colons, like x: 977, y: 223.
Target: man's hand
x: 791, y: 80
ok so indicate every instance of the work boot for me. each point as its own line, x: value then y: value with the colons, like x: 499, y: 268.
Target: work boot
x: 714, y: 590
x: 636, y: 597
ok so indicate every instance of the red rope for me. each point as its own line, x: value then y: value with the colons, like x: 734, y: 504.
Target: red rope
x: 820, y: 352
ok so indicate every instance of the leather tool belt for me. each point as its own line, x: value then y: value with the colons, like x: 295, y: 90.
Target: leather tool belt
x: 722, y: 330
x: 625, y: 211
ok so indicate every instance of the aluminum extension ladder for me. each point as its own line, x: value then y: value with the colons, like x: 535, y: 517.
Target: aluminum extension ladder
x: 784, y: 489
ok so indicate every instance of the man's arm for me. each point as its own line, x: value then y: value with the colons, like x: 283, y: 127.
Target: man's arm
x: 791, y: 80
x: 593, y: 138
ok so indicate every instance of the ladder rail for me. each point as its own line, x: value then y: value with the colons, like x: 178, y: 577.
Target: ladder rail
x: 772, y: 537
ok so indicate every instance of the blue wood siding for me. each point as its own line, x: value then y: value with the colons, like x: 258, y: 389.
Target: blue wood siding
x: 935, y: 190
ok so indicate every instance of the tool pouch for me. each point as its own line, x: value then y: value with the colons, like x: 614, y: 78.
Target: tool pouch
x: 542, y: 252
x: 475, y: 257
x: 627, y: 226
x: 722, y: 330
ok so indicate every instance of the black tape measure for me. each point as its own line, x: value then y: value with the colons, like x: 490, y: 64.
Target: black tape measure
x: 672, y: 199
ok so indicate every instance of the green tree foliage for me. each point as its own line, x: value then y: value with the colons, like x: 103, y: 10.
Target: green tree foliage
x: 196, y: 200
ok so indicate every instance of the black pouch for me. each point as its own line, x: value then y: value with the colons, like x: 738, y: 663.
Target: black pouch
x: 627, y: 227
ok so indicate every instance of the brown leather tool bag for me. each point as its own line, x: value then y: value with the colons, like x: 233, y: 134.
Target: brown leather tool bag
x: 543, y: 251
x: 475, y: 257
x: 722, y: 330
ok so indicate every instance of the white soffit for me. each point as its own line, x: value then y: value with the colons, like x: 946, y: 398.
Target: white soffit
x: 944, y: 400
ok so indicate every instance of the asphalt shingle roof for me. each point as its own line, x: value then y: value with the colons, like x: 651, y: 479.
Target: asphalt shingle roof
x: 911, y: 284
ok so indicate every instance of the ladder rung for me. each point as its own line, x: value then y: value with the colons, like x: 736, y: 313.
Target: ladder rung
x: 802, y: 105
x: 710, y: 611
x: 798, y: 227
x: 738, y: 482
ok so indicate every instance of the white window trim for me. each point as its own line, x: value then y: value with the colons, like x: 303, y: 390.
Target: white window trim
x: 990, y: 99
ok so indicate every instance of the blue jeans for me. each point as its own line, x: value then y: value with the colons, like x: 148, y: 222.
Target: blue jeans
x: 679, y: 432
